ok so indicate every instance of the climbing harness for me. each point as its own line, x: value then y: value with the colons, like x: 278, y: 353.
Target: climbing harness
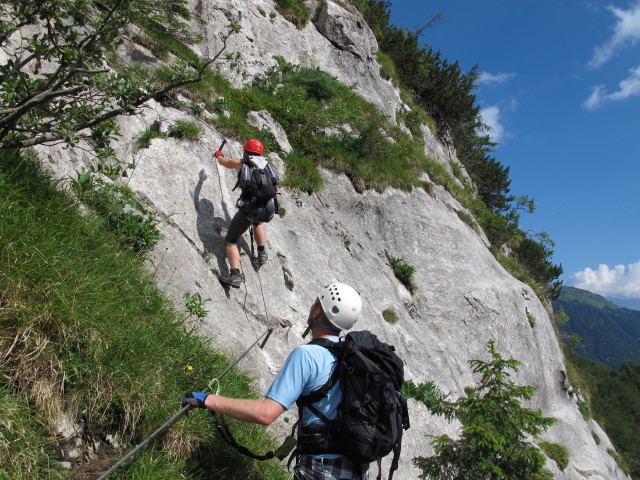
x: 186, y: 408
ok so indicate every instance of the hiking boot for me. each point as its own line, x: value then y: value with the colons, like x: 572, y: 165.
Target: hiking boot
x: 233, y: 278
x: 261, y: 259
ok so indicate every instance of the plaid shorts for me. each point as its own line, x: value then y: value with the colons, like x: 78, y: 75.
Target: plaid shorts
x: 310, y: 467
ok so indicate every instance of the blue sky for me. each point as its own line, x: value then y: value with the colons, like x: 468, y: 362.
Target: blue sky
x: 560, y: 87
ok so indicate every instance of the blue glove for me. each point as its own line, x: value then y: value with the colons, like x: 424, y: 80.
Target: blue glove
x: 195, y: 399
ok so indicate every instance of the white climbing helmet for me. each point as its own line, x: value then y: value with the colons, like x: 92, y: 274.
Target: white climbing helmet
x: 341, y: 305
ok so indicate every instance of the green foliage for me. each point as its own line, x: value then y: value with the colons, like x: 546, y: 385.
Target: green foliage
x: 135, y: 225
x: 387, y: 68
x: 89, y: 317
x: 185, y: 130
x: 317, y: 85
x: 556, y: 452
x: 614, y: 401
x: 431, y: 395
x: 302, y: 173
x: 532, y: 320
x: 608, y: 334
x: 491, y: 177
x: 153, y: 131
x: 376, y: 13
x: 295, y: 11
x: 445, y: 93
x: 561, y: 317
x: 620, y: 461
x: 18, y: 426
x: 495, y: 427
x: 288, y: 284
x: 108, y: 164
x: 80, y: 94
x: 403, y: 272
x: 584, y: 409
x: 329, y: 125
x: 530, y: 260
x: 195, y: 305
x: 575, y: 376
x: 83, y: 183
x: 153, y: 36
x: 466, y: 218
x: 390, y: 316
x: 535, y: 256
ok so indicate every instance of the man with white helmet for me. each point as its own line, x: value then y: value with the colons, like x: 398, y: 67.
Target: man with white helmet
x: 307, y: 368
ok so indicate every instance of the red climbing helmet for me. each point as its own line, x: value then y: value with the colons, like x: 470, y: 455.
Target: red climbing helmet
x: 254, y: 146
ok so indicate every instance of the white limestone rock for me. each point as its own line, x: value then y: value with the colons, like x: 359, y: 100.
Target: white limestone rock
x: 464, y: 296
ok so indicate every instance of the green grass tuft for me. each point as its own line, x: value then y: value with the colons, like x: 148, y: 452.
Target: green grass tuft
x: 390, y: 316
x: 294, y: 11
x: 556, y: 452
x: 185, y: 130
x: 403, y: 272
x: 144, y: 140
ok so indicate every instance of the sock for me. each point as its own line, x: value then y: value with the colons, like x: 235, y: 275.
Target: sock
x: 237, y: 270
x: 260, y: 249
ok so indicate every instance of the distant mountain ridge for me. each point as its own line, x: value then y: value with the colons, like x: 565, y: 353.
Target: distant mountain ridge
x: 609, y: 334
x: 630, y: 303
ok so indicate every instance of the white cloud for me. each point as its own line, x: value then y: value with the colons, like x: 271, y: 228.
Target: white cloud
x: 629, y: 87
x: 619, y: 281
x: 491, y: 117
x: 486, y: 78
x: 625, y: 32
x: 595, y: 99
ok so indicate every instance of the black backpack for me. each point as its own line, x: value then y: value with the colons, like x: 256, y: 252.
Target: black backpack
x: 258, y: 179
x: 373, y: 412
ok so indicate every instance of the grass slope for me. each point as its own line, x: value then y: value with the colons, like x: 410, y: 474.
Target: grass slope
x: 85, y: 332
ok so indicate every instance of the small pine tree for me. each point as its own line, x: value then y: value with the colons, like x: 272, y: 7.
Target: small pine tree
x: 492, y: 444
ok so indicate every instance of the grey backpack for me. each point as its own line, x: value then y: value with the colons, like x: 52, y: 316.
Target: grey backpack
x: 258, y: 180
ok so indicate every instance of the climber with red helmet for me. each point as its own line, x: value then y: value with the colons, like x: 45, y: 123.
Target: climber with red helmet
x: 258, y: 179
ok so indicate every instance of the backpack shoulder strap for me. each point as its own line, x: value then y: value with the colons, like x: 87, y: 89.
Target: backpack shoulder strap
x: 337, y: 348
x: 326, y: 343
x: 240, y: 172
x: 273, y: 172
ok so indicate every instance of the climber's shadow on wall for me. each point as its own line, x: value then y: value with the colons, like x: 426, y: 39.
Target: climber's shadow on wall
x: 210, y: 227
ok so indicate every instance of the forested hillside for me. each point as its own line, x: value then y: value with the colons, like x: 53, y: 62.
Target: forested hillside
x: 615, y: 404
x: 606, y: 333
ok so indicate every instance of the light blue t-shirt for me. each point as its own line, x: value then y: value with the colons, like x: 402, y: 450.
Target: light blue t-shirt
x: 307, y: 369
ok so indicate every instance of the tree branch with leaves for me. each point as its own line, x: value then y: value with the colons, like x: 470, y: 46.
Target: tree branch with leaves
x: 56, y: 82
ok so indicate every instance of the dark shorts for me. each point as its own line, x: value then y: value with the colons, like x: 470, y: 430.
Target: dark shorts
x: 239, y: 224
x: 317, y: 468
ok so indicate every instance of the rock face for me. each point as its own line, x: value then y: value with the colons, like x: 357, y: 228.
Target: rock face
x: 336, y: 41
x: 464, y: 296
